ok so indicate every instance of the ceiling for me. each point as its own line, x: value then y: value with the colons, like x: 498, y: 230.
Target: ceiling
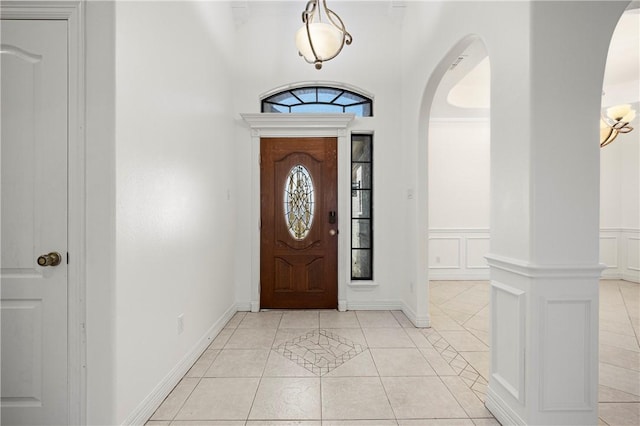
x: 464, y: 90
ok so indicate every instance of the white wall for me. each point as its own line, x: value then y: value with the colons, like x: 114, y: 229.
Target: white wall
x: 175, y: 193
x: 458, y: 198
x: 459, y: 174
x: 100, y: 212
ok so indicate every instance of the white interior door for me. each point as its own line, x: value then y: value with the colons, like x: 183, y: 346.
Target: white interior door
x: 34, y: 222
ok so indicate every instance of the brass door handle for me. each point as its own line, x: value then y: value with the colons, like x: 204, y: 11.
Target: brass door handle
x: 333, y: 232
x: 51, y: 259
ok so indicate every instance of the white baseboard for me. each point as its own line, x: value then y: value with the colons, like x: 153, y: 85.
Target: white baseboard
x: 615, y: 274
x: 500, y: 410
x: 243, y: 306
x: 633, y: 277
x: 376, y: 305
x: 420, y: 322
x: 151, y: 403
x: 456, y: 276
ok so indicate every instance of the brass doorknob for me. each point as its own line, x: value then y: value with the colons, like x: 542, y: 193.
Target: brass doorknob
x: 51, y: 259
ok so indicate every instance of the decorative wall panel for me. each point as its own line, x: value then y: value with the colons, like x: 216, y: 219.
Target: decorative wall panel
x: 508, y: 304
x: 566, y: 357
x: 444, y: 252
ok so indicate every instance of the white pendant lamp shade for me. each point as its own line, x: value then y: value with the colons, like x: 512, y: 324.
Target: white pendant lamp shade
x: 319, y: 41
x: 615, y: 122
x: 622, y: 113
x: 327, y: 41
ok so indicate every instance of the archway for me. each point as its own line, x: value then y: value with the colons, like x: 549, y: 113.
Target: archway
x: 470, y: 43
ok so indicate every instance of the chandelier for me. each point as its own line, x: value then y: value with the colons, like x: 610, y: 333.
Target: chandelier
x: 319, y: 41
x: 615, y: 122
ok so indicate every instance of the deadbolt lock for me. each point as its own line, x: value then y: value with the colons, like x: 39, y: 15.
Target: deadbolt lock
x: 51, y: 259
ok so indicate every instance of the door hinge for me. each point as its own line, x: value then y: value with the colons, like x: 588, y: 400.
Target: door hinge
x: 67, y: 258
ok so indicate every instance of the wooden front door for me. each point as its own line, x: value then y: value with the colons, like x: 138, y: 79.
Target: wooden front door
x: 298, y: 240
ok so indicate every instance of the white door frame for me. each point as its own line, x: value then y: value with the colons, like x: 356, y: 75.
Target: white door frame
x: 73, y: 13
x: 301, y: 126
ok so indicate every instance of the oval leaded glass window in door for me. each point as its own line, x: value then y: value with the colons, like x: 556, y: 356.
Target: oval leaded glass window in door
x: 299, y: 202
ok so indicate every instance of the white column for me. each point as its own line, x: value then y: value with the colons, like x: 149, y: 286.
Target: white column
x: 545, y: 216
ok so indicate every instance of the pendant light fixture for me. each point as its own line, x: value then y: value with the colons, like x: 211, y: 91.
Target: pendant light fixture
x: 615, y: 122
x: 319, y: 41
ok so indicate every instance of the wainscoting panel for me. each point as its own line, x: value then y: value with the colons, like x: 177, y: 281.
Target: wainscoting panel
x: 476, y: 250
x: 444, y: 252
x: 620, y: 252
x: 566, y: 357
x: 508, y: 338
x: 458, y: 254
x: 609, y: 251
x: 633, y: 253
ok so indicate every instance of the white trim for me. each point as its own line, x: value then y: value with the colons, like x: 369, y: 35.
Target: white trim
x: 276, y: 124
x: 300, y: 125
x: 501, y: 410
x: 460, y: 120
x: 446, y: 275
x: 419, y: 322
x: 532, y: 270
x: 73, y: 13
x: 544, y: 403
x: 375, y: 305
x: 342, y: 305
x: 517, y: 393
x: 362, y: 285
x: 243, y: 306
x: 459, y: 231
x: 150, y: 404
x: 628, y: 262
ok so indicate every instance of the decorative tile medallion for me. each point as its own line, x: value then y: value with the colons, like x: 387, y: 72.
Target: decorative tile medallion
x: 319, y: 351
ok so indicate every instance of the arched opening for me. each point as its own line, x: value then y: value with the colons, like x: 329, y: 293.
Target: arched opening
x: 620, y: 228
x: 458, y: 194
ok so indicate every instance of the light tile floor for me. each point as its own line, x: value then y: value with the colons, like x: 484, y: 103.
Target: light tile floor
x: 326, y: 368
x: 329, y: 368
x: 460, y: 315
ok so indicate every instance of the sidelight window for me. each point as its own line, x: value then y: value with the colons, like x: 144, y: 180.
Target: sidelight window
x: 361, y: 207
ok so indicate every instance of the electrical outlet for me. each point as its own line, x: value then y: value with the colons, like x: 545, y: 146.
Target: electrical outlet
x: 180, y: 323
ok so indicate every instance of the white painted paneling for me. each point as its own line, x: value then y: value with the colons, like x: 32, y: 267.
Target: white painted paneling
x: 508, y: 322
x: 444, y: 252
x: 566, y: 357
x: 609, y: 251
x: 633, y: 254
x: 22, y: 354
x: 476, y: 249
x: 460, y: 252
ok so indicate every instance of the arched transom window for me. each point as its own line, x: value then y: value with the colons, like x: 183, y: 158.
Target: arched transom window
x: 319, y: 99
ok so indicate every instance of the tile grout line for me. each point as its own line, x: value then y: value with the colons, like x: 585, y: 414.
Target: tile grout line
x: 202, y: 376
x: 626, y: 308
